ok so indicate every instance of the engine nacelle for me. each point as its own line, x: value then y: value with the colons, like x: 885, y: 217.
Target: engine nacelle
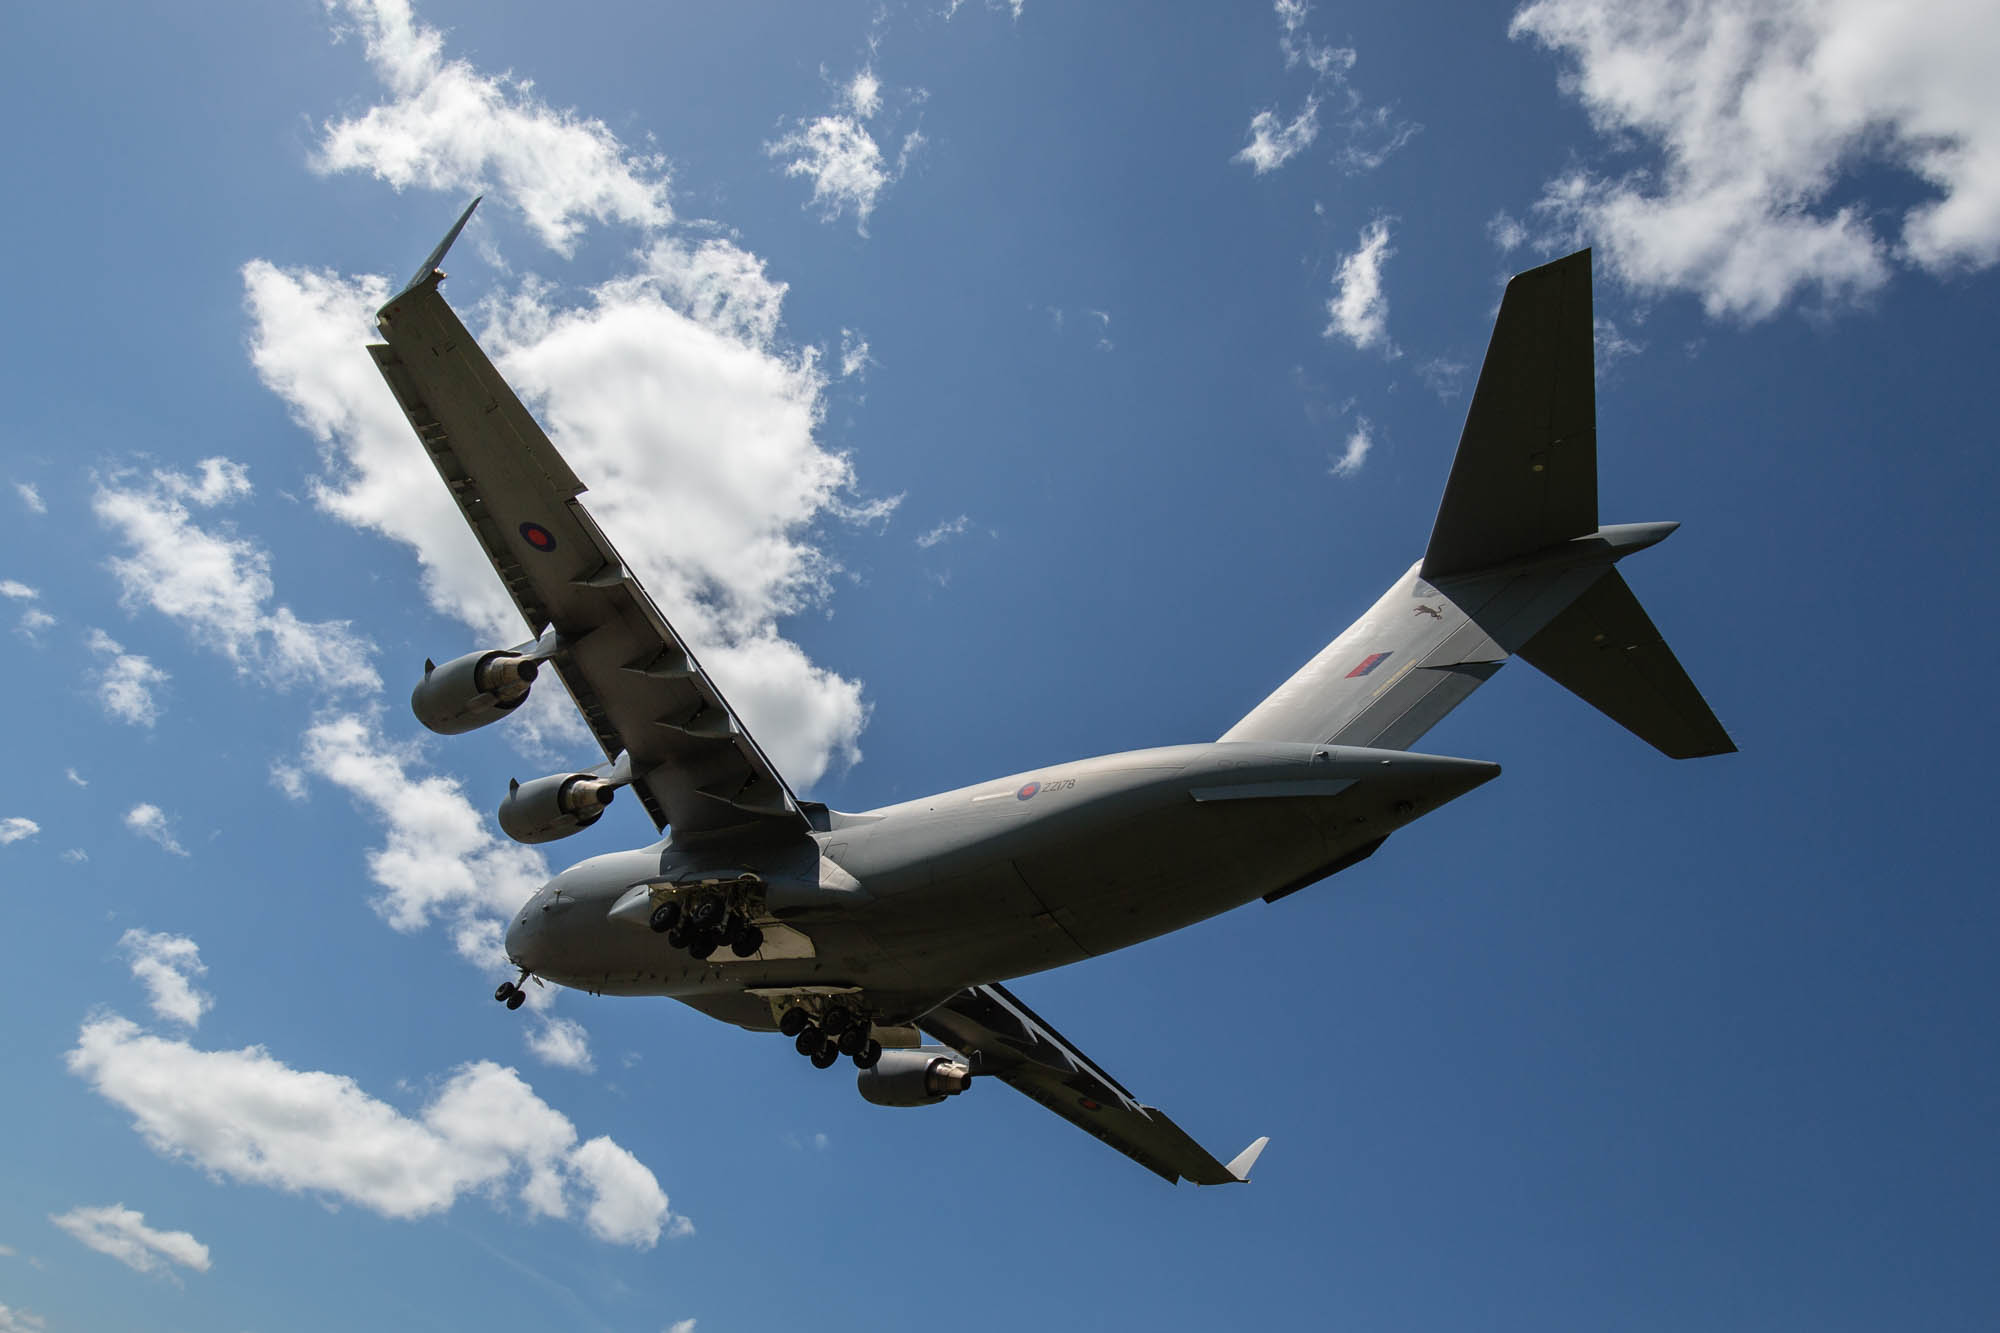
x: 554, y: 807
x: 471, y: 691
x: 922, y: 1077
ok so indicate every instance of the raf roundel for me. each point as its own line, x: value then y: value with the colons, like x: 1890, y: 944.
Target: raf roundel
x: 1027, y: 791
x: 538, y: 537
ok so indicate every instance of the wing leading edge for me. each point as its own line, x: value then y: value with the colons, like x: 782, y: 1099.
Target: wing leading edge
x: 632, y: 676
x: 1004, y: 1038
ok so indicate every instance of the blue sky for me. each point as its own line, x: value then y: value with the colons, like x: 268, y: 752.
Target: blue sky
x: 984, y: 385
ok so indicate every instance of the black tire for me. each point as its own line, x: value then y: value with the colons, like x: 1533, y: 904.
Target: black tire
x: 824, y: 1057
x: 503, y: 990
x: 748, y: 941
x: 852, y: 1040
x: 794, y: 1021
x: 666, y: 916
x: 809, y: 1040
x: 678, y: 937
x: 838, y: 1019
x: 703, y: 945
x: 517, y: 999
x: 870, y: 1052
x: 709, y: 911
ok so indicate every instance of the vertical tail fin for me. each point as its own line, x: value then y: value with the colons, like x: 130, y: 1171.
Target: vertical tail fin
x: 1525, y: 476
x: 1517, y: 564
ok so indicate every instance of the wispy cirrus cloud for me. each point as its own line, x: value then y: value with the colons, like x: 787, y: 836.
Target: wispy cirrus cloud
x: 1757, y: 121
x: 839, y: 154
x: 1370, y: 134
x: 122, y: 1233
x: 153, y: 824
x: 17, y: 828
x: 1358, y: 310
x: 1359, y: 441
x: 167, y: 965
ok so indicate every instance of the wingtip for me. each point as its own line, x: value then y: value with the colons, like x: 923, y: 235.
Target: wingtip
x: 1240, y: 1165
x: 437, y: 256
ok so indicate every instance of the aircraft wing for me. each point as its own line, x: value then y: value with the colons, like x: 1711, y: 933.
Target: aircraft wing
x: 1004, y: 1038
x: 633, y: 678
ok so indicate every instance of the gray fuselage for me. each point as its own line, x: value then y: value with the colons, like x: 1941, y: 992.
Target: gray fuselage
x: 912, y: 902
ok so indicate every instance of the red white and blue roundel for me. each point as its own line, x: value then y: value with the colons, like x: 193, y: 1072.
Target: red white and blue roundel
x: 539, y: 537
x: 1027, y: 791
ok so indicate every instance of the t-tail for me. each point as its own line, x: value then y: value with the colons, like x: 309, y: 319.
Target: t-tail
x: 1518, y: 565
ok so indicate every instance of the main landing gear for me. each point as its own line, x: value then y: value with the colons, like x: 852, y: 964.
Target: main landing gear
x: 510, y: 993
x: 840, y: 1031
x: 706, y: 924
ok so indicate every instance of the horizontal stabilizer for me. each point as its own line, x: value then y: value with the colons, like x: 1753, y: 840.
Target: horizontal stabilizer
x: 1605, y: 650
x: 1526, y: 473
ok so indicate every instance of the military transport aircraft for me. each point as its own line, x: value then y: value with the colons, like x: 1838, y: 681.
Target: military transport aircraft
x: 885, y: 936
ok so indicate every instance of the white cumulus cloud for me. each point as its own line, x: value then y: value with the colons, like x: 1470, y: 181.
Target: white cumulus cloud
x: 150, y: 822
x: 563, y: 1043
x: 1359, y: 308
x: 246, y: 1116
x: 448, y: 127
x: 14, y: 828
x: 441, y: 859
x: 125, y: 685
x: 1761, y: 116
x: 694, y: 426
x: 122, y: 1233
x: 218, y: 585
x: 166, y: 966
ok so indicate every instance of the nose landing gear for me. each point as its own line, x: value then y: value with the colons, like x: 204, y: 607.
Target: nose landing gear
x: 510, y: 993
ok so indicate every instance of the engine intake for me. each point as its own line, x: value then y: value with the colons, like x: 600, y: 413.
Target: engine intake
x: 922, y: 1077
x: 554, y: 807
x: 472, y: 691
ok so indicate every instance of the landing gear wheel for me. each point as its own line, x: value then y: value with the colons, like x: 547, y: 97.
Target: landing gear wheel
x: 810, y: 1039
x: 824, y: 1057
x: 794, y: 1021
x: 517, y: 999
x: 748, y: 941
x: 666, y: 916
x: 710, y: 911
x: 870, y: 1052
x: 703, y: 945
x: 851, y: 1041
x: 505, y: 991
x: 838, y: 1019
x: 678, y: 937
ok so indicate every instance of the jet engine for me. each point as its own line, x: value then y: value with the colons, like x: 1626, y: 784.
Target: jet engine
x: 555, y: 806
x: 472, y: 691
x: 922, y: 1077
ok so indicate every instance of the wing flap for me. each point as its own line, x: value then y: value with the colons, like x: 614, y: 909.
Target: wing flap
x: 1009, y: 1041
x: 633, y: 678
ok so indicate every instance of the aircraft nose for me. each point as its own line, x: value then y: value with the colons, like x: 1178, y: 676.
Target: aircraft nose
x: 521, y: 932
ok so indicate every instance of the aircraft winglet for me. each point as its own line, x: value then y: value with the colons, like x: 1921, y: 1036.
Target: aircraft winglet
x: 1239, y: 1166
x: 437, y: 255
